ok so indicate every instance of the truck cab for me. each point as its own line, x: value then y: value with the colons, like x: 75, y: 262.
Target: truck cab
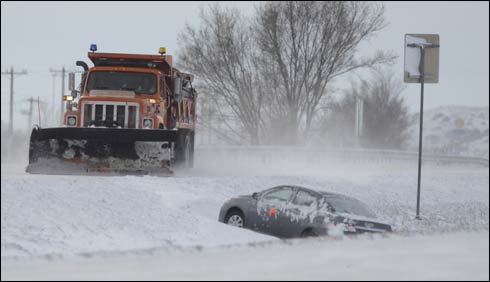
x: 132, y: 91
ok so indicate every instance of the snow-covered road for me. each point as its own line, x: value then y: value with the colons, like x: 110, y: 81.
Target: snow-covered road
x: 73, y: 217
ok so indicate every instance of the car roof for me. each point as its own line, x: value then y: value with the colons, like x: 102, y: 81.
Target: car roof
x: 297, y: 187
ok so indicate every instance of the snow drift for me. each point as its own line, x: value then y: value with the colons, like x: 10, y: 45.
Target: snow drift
x: 69, y: 215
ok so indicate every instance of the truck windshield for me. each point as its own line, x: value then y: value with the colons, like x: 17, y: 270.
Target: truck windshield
x: 141, y: 83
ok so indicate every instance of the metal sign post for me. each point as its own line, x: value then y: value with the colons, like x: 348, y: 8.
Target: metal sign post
x: 421, y: 42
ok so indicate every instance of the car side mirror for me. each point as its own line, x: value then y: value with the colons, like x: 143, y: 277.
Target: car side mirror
x: 255, y: 196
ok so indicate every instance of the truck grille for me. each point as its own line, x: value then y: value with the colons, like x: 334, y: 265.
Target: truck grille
x: 126, y: 114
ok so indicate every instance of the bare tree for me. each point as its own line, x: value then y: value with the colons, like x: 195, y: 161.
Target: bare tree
x: 273, y: 70
x: 306, y: 44
x: 221, y: 54
x: 216, y: 120
x: 386, y: 117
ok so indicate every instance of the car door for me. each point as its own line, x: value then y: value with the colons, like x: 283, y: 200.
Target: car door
x: 300, y: 213
x: 271, y: 206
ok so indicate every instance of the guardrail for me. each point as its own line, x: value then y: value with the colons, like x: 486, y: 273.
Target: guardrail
x: 268, y: 154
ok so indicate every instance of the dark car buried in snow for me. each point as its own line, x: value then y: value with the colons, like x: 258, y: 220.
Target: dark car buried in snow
x: 293, y: 211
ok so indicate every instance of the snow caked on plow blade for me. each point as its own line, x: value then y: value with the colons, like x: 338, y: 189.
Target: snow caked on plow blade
x: 66, y: 150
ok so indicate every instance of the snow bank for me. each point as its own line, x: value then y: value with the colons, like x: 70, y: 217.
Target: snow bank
x: 70, y: 215
x: 461, y: 256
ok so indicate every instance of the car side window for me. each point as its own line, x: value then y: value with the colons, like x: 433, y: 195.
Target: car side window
x: 282, y: 195
x: 304, y: 198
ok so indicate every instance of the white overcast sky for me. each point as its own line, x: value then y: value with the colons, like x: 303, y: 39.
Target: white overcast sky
x: 37, y: 36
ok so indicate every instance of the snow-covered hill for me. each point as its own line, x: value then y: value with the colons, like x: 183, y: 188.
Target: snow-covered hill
x: 454, y: 130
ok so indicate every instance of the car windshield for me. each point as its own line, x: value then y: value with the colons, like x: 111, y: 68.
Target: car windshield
x: 343, y: 204
x: 141, y: 83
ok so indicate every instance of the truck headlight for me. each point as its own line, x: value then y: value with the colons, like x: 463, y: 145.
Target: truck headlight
x: 71, y: 120
x: 147, y: 123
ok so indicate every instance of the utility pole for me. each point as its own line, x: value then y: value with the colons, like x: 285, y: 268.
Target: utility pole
x: 52, y: 115
x: 63, y: 73
x: 11, y: 108
x: 62, y: 93
x: 29, y: 112
x: 31, y: 100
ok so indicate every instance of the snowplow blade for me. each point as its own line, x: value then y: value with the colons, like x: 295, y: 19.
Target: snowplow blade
x: 73, y: 150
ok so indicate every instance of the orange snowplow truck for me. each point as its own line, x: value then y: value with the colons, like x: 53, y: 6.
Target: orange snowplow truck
x: 132, y: 113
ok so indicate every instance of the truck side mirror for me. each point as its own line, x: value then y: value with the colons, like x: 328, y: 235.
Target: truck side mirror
x: 255, y: 196
x: 177, y: 87
x: 71, y: 81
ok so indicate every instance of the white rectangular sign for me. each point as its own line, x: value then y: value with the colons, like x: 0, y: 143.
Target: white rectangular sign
x: 413, y: 45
